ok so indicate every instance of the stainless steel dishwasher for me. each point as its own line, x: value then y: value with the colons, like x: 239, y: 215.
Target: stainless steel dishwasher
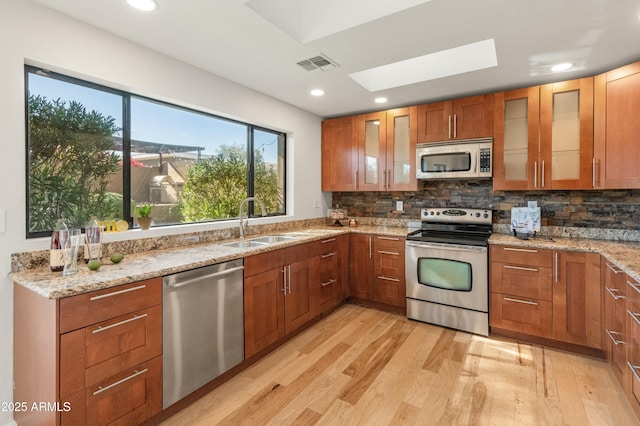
x: 203, y: 327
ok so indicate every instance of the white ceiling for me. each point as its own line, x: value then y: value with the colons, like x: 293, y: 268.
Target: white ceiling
x: 232, y: 40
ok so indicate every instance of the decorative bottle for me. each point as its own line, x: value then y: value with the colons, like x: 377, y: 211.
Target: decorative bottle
x: 56, y: 258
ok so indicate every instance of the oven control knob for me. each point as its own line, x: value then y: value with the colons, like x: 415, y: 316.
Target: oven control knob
x: 477, y: 214
x: 486, y: 215
x: 431, y: 213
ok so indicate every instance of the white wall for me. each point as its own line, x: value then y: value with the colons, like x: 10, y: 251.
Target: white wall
x: 36, y: 35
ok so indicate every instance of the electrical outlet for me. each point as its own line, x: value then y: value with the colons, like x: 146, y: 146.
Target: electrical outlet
x: 3, y: 215
x: 316, y: 203
x: 399, y: 206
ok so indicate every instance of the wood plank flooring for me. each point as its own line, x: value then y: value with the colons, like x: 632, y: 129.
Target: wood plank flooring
x: 361, y: 366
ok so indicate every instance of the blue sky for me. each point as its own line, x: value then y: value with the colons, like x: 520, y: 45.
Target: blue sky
x: 154, y: 122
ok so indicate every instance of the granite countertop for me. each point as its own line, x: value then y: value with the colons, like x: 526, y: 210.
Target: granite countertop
x: 624, y: 255
x: 156, y: 263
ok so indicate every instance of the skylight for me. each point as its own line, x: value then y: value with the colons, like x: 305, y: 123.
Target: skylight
x: 457, y: 60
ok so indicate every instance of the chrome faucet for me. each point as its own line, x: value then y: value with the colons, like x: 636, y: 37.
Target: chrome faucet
x: 243, y: 223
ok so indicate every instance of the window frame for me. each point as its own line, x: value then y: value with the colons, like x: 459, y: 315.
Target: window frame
x: 126, y: 147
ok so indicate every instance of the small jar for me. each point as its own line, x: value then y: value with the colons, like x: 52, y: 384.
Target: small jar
x: 353, y: 222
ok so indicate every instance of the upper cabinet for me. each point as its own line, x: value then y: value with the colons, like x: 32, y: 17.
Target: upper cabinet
x: 339, y: 154
x: 516, y: 139
x: 566, y: 135
x: 544, y: 137
x: 465, y: 118
x: 617, y: 128
x: 370, y: 152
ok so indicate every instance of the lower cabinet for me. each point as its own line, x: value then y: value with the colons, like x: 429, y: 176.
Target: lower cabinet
x: 377, y: 269
x: 106, y: 355
x: 615, y: 324
x: 285, y: 289
x: 552, y: 294
x: 633, y: 349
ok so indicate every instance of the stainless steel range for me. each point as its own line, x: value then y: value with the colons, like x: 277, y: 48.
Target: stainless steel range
x: 447, y: 269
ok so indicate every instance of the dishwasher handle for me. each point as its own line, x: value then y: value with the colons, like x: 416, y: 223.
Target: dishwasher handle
x: 200, y: 278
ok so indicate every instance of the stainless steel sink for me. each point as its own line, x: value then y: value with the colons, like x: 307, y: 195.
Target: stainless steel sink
x: 244, y: 244
x: 271, y: 239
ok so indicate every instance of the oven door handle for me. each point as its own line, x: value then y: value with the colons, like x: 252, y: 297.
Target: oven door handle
x: 446, y: 246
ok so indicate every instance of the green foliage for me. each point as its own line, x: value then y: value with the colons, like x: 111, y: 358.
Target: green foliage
x: 216, y: 186
x: 143, y: 210
x: 69, y: 163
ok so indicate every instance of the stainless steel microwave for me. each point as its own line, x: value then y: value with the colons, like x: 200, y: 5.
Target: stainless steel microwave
x: 469, y: 159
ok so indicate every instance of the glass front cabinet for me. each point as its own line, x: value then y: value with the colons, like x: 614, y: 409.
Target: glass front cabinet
x: 544, y: 137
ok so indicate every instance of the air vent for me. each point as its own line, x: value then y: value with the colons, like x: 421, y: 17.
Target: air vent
x: 320, y: 62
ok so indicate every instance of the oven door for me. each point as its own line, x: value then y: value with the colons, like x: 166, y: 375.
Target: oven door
x: 448, y: 274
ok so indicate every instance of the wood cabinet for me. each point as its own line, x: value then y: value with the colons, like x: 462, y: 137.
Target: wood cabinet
x: 544, y: 137
x: 339, y: 154
x: 617, y: 129
x: 99, y: 352
x: 615, y: 324
x: 277, y: 295
x: 329, y: 283
x: 552, y: 294
x: 521, y: 290
x: 370, y: 152
x: 633, y: 350
x: 464, y: 118
x: 377, y: 269
x: 577, y: 298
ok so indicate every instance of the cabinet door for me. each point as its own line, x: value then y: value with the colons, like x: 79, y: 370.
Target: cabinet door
x: 633, y: 351
x: 402, y: 134
x: 617, y: 105
x: 297, y: 301
x: 263, y: 310
x: 566, y: 135
x: 515, y: 143
x: 339, y: 154
x: 371, y: 173
x: 435, y: 122
x: 361, y: 266
x: 614, y: 338
x: 389, y: 277
x: 576, y: 299
x: 473, y: 117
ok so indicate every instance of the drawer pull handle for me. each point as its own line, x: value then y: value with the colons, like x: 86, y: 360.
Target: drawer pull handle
x: 634, y: 286
x: 331, y: 281
x: 522, y: 250
x: 137, y: 373
x: 328, y: 241
x: 389, y: 238
x: 613, y: 268
x: 634, y: 316
x: 324, y: 256
x: 115, y: 293
x: 634, y: 370
x: 392, y: 253
x: 101, y: 328
x: 526, y: 302
x: 382, y: 277
x: 613, y: 339
x: 520, y: 268
x: 613, y: 294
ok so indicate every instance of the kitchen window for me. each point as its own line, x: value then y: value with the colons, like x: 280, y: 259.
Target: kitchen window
x: 93, y: 150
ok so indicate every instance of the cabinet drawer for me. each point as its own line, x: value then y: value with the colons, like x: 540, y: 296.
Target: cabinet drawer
x: 327, y: 282
x: 325, y: 246
x: 521, y: 256
x: 524, y: 315
x: 94, y: 353
x: 533, y: 282
x: 389, y: 257
x: 633, y: 290
x: 130, y: 397
x: 90, y: 308
x: 390, y: 290
x: 633, y: 352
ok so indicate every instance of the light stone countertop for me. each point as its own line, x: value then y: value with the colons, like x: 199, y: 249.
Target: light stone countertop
x: 624, y: 255
x: 157, y: 263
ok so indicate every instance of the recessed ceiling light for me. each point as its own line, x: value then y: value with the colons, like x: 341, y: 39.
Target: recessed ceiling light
x: 380, y: 100
x: 561, y: 67
x: 145, y: 5
x: 317, y: 92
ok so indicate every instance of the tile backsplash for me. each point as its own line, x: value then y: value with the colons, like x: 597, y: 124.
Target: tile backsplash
x: 613, y: 209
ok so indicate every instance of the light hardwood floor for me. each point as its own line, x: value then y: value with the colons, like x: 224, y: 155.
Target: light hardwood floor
x: 361, y: 366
